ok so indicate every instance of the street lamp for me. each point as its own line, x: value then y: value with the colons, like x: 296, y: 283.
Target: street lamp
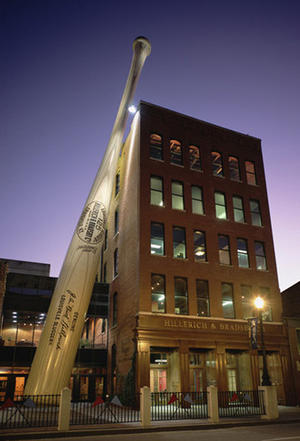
x: 259, y: 303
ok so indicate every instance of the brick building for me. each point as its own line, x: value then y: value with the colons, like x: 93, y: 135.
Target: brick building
x: 189, y: 246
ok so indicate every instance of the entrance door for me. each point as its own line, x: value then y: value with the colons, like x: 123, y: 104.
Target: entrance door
x: 158, y: 380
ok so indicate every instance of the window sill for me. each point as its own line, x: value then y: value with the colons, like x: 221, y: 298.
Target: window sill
x: 156, y: 205
x: 157, y: 159
x: 116, y: 235
x: 177, y: 165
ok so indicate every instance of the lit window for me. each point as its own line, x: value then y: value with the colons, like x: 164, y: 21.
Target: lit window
x: 267, y: 311
x: 234, y: 168
x: 250, y: 172
x: 220, y: 205
x: 199, y: 246
x: 157, y: 193
x: 197, y: 200
x: 181, y: 295
x: 238, y: 209
x: 156, y: 150
x: 194, y: 155
x: 217, y: 164
x: 260, y: 255
x: 227, y: 301
x: 242, y: 251
x: 157, y: 239
x: 116, y: 221
x: 177, y: 195
x: 255, y: 213
x: 179, y: 246
x: 202, y: 298
x: 175, y: 152
x: 117, y: 184
x: 116, y: 262
x: 158, y: 293
x: 247, y: 302
x: 115, y: 309
x: 224, y: 250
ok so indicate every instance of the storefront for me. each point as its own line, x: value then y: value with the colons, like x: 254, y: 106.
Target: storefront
x: 189, y: 354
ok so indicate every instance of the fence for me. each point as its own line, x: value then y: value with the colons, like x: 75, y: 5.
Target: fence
x: 44, y: 410
x: 30, y: 411
x: 105, y: 410
x: 241, y: 403
x: 178, y: 405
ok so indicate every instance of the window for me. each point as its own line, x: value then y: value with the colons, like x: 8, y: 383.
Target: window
x: 220, y: 205
x: 238, y: 209
x: 177, y: 195
x: 247, y: 302
x: 260, y: 255
x: 115, y: 309
x: 234, y: 168
x: 298, y: 340
x: 175, y: 152
x: 227, y: 301
x: 217, y: 164
x: 224, y: 250
x: 179, y: 247
x: 250, y: 172
x: 197, y: 200
x: 242, y: 251
x: 117, y: 184
x: 255, y: 213
x: 157, y: 239
x: 199, y: 246
x: 158, y: 293
x: 267, y: 311
x: 181, y: 295
x: 194, y: 156
x: 116, y: 221
x: 202, y: 298
x: 156, y: 148
x: 116, y: 262
x: 157, y: 192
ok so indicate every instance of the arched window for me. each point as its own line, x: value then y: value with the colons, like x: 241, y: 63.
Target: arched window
x: 217, y: 164
x: 194, y: 156
x: 156, y: 147
x: 234, y: 168
x: 175, y: 152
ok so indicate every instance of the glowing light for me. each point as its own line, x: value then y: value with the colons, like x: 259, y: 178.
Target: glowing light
x: 132, y: 109
x: 259, y: 302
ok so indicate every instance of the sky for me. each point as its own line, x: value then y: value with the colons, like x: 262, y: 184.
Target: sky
x: 64, y: 65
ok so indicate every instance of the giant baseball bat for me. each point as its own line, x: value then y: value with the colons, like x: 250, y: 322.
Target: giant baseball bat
x: 54, y: 359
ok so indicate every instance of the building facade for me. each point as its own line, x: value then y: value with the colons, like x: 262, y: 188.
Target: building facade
x: 25, y: 301
x: 188, y: 248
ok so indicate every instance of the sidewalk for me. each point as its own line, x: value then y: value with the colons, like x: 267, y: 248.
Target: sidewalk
x: 286, y: 415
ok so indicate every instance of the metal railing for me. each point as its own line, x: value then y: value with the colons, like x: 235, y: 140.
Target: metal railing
x: 109, y: 409
x: 241, y: 403
x: 178, y: 405
x: 29, y: 411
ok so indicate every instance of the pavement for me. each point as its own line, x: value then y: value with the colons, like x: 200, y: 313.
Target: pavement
x: 287, y: 415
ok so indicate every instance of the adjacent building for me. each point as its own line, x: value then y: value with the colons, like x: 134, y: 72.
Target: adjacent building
x: 26, y: 289
x: 188, y: 248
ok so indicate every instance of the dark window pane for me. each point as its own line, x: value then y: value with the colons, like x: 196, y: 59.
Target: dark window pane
x: 202, y: 298
x: 255, y: 213
x: 175, y: 152
x: 181, y: 296
x: 158, y: 293
x: 242, y: 250
x: 261, y: 262
x: 156, y: 151
x: 250, y: 172
x: 234, y: 168
x: 199, y: 246
x: 179, y: 247
x: 157, y: 238
x: 224, y: 250
x: 227, y: 301
x: 194, y: 154
x: 217, y: 164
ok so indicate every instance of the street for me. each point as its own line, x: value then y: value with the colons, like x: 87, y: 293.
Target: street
x: 274, y: 432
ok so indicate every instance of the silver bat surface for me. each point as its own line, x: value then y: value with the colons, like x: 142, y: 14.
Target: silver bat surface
x: 54, y: 358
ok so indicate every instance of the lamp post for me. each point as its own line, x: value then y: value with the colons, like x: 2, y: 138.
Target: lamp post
x: 259, y: 303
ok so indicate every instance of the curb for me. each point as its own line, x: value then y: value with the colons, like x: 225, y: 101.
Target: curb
x: 122, y: 430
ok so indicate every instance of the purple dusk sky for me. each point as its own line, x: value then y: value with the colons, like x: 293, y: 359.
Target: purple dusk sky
x: 64, y: 66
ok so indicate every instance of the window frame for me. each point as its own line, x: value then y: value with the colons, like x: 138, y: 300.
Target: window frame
x: 193, y: 147
x: 158, y: 147
x: 217, y: 161
x: 242, y: 252
x: 116, y: 262
x: 163, y: 278
x: 262, y: 244
x: 177, y: 196
x: 234, y: 170
x: 154, y: 191
x: 201, y: 246
x: 202, y: 300
x: 196, y: 200
x: 223, y: 251
x: 250, y: 175
x: 182, y: 229
x: 174, y: 155
x: 238, y: 210
x: 217, y: 204
x: 162, y: 238
x: 254, y: 213
x: 186, y: 296
x: 223, y: 284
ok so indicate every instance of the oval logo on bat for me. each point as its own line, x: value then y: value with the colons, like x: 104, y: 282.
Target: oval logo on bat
x: 91, y: 225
